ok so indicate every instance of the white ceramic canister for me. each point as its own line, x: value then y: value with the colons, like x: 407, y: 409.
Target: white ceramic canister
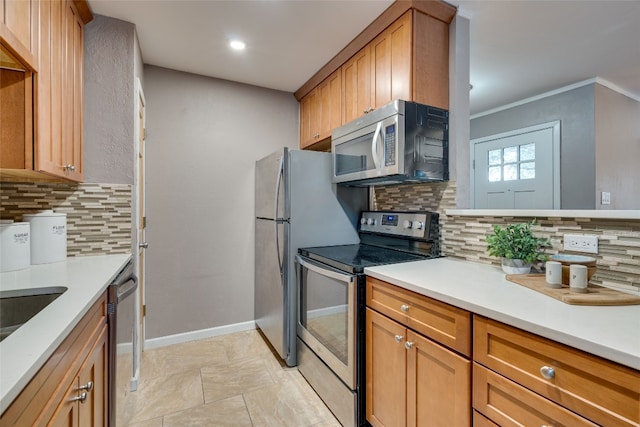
x: 15, y: 245
x: 48, y: 236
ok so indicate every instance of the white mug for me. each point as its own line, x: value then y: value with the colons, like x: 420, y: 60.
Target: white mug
x: 578, y: 278
x: 553, y: 270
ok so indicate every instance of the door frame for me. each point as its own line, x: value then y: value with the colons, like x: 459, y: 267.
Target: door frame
x: 554, y: 126
x: 140, y: 294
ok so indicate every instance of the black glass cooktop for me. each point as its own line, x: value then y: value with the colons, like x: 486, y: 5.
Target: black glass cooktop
x: 355, y: 258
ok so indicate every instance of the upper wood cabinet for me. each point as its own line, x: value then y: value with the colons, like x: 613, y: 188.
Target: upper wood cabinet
x: 47, y: 145
x: 320, y: 111
x: 356, y: 87
x: 408, y: 59
x: 18, y: 29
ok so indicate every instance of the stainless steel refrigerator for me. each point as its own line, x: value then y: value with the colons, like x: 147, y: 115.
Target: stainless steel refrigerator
x: 296, y: 206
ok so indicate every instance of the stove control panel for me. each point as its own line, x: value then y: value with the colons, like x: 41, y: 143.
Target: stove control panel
x: 418, y: 225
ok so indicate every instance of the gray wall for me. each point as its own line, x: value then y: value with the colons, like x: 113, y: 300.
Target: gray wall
x: 109, y: 125
x: 204, y: 136
x: 575, y: 110
x: 617, y: 126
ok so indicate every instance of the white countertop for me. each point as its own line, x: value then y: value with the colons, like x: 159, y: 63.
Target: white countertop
x: 24, y: 352
x: 612, y: 332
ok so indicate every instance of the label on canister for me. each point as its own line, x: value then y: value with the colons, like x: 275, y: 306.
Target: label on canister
x: 15, y: 246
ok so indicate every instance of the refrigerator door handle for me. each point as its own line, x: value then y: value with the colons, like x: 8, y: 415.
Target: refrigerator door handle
x: 275, y: 214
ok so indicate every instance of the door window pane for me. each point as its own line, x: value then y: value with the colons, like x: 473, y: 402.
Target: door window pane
x: 495, y: 173
x: 495, y: 157
x: 510, y: 172
x: 527, y: 152
x: 527, y: 170
x: 511, y: 154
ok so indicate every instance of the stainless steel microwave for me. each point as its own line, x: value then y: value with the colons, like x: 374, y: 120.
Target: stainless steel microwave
x: 400, y: 142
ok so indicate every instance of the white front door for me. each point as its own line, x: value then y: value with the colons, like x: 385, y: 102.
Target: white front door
x: 517, y: 170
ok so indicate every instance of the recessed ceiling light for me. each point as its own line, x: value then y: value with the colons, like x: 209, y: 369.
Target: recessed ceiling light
x: 237, y: 44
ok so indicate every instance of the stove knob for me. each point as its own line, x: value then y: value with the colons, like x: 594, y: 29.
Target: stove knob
x: 406, y: 223
x: 363, y: 220
x: 417, y: 225
x: 370, y: 221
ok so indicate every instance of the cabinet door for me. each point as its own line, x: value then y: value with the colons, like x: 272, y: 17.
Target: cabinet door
x: 58, y: 142
x: 19, y: 23
x: 330, y: 103
x: 93, y: 411
x: 386, y: 371
x: 66, y: 415
x: 356, y: 82
x: 309, y: 119
x: 391, y: 63
x: 438, y: 385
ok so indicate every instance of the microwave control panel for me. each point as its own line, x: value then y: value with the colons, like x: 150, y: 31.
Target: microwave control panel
x: 416, y: 225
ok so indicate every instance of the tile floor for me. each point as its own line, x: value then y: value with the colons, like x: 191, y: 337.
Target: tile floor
x: 231, y: 380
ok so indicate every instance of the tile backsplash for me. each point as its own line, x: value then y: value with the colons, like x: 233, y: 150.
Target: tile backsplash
x: 618, y: 258
x: 98, y: 215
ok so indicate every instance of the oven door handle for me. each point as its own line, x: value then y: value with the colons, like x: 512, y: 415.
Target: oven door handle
x: 324, y: 271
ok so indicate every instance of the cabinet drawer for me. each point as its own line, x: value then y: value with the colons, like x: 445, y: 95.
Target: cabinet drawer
x: 509, y: 404
x: 602, y: 391
x: 480, y: 420
x: 448, y: 325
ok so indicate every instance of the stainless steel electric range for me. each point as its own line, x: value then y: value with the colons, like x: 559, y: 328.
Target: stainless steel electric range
x: 331, y: 301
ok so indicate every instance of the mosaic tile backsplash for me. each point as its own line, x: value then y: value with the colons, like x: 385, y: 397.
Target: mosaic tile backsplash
x: 618, y: 258
x: 98, y: 215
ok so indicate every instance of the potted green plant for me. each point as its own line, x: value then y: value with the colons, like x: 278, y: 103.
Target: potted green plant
x: 517, y: 246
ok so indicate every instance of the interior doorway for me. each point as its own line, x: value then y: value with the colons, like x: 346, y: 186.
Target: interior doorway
x: 519, y: 169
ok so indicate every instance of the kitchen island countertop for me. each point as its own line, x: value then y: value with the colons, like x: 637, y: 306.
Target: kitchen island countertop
x: 24, y: 351
x: 611, y: 332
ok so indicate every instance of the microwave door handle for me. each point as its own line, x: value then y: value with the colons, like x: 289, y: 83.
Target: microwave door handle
x: 374, y: 147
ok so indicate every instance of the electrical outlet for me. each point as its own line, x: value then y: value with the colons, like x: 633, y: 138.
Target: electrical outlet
x: 606, y: 198
x: 581, y: 243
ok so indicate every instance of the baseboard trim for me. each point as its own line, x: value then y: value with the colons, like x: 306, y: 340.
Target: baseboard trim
x: 152, y: 343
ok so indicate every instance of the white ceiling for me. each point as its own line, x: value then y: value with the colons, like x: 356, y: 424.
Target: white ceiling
x: 518, y: 48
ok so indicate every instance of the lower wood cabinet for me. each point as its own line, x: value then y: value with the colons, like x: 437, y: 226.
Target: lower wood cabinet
x: 551, y: 377
x: 71, y: 389
x: 412, y: 380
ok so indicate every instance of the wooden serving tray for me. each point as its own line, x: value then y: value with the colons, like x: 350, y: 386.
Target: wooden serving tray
x: 596, y: 295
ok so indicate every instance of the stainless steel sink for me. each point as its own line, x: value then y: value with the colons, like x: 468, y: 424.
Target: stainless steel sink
x: 18, y: 306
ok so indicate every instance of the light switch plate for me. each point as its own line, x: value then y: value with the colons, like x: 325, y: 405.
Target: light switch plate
x: 606, y: 198
x: 581, y: 243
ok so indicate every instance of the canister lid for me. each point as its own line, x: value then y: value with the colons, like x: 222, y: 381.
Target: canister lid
x: 45, y: 213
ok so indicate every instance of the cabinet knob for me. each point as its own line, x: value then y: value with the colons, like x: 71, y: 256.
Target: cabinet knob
x: 398, y: 338
x: 88, y: 386
x: 316, y: 136
x: 370, y: 109
x: 404, y: 307
x: 365, y: 111
x: 81, y: 398
x: 408, y: 345
x: 69, y: 168
x: 547, y: 372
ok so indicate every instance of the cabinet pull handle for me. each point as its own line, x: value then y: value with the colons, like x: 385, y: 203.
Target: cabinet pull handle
x: 370, y: 109
x: 404, y: 307
x: 69, y: 168
x: 81, y: 398
x: 398, y: 338
x: 408, y: 345
x: 88, y: 386
x: 547, y: 372
x: 365, y: 111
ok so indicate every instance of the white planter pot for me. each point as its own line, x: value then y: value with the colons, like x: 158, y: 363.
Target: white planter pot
x: 515, y: 266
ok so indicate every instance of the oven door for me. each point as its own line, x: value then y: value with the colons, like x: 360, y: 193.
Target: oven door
x: 327, y: 316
